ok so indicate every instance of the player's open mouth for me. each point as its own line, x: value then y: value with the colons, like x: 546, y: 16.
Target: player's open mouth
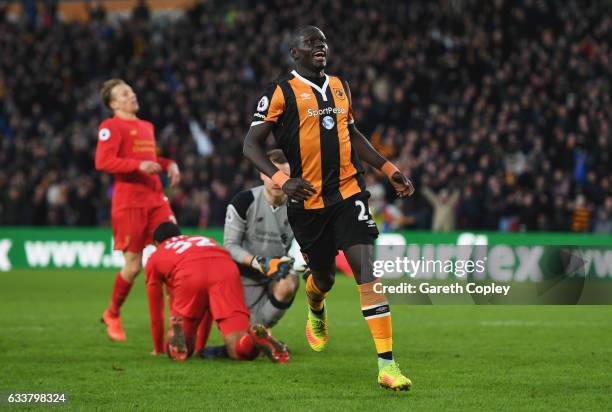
x: 319, y: 56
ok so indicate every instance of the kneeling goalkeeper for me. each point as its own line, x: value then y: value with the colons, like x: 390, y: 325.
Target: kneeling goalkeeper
x: 258, y: 236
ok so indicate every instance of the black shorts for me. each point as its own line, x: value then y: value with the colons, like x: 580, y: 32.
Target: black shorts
x: 322, y: 232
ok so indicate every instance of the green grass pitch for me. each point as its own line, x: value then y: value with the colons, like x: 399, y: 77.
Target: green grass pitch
x: 459, y: 357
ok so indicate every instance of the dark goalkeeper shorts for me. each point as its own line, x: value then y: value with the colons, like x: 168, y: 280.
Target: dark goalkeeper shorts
x: 322, y: 232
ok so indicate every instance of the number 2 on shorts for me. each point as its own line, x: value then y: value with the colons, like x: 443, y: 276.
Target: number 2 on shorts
x: 362, y: 210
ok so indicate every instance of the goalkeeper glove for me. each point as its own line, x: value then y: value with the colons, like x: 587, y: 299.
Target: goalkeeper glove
x: 273, y: 267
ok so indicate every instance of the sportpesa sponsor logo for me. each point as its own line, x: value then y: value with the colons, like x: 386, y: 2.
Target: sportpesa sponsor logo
x: 327, y: 110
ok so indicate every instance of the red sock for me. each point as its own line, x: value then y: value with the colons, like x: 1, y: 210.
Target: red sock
x: 120, y: 292
x: 245, y: 348
x: 190, y: 328
x: 203, y: 331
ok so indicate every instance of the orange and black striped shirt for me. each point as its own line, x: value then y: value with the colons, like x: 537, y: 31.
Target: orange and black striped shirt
x: 311, y: 127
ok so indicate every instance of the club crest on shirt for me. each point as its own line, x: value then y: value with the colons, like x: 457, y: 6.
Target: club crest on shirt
x: 263, y: 104
x: 328, y: 122
x: 104, y: 134
x: 339, y: 93
x: 133, y: 132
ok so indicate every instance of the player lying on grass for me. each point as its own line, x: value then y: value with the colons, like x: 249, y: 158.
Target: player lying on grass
x: 126, y: 148
x: 311, y: 116
x: 201, y: 280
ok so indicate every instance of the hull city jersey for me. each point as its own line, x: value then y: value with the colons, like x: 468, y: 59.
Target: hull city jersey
x: 253, y: 226
x: 311, y: 128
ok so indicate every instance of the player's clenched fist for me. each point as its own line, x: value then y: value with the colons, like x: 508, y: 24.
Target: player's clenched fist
x: 150, y: 167
x: 274, y: 267
x: 298, y: 189
x: 402, y: 185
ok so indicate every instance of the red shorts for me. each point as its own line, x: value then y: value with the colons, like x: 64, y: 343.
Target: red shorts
x: 211, y: 284
x: 133, y: 228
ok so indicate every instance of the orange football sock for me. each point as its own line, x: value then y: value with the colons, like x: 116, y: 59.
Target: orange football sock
x: 375, y: 310
x: 316, y: 298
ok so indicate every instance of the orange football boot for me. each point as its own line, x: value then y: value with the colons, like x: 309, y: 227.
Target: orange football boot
x: 114, y: 328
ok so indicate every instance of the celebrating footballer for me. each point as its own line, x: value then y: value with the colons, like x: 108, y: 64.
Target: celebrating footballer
x: 310, y: 114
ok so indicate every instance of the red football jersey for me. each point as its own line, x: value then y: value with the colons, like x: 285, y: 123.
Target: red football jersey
x: 122, y: 145
x: 173, y: 258
x: 177, y: 253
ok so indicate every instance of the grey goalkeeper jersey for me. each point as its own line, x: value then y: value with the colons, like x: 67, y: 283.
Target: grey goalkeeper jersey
x: 254, y: 227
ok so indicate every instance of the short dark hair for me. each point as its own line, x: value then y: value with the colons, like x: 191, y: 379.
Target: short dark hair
x: 165, y: 231
x: 295, y: 37
x: 106, y: 94
x: 277, y: 156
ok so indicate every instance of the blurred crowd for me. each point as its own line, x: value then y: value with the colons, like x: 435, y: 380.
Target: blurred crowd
x: 500, y: 111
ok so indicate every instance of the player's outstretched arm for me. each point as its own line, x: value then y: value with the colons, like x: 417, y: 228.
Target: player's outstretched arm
x: 253, y: 149
x: 402, y: 185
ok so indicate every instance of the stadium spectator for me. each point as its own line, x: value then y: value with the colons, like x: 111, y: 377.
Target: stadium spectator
x: 443, y: 204
x: 582, y: 217
x: 603, y: 223
x: 141, y: 12
x: 469, y: 210
x: 96, y: 11
x: 510, y: 101
x: 3, y: 9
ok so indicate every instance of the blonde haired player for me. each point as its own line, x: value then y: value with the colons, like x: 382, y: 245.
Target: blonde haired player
x: 126, y: 148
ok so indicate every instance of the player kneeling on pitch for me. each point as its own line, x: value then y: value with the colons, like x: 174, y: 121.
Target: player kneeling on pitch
x: 258, y: 236
x: 201, y: 280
